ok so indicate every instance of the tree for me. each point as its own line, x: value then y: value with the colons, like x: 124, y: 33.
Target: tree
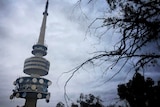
x: 138, y: 24
x: 140, y: 92
x: 74, y: 105
x: 139, y: 33
x: 89, y: 101
x: 60, y: 104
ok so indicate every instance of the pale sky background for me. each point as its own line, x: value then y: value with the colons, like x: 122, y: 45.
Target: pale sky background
x: 20, y: 22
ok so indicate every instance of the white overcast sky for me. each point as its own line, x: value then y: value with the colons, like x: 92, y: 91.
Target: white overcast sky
x: 20, y: 22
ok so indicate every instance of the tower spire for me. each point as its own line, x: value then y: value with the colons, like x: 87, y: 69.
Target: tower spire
x: 40, y: 49
x: 43, y: 26
x: 46, y: 9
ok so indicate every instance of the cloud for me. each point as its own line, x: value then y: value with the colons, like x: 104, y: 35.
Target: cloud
x: 68, y: 47
x: 20, y: 25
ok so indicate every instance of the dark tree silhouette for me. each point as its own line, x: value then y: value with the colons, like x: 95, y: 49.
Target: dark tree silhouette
x: 89, y: 101
x: 139, y: 32
x: 138, y: 24
x: 74, y: 105
x: 140, y: 92
x: 60, y: 104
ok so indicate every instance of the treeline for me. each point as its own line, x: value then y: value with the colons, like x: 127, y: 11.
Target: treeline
x: 138, y: 92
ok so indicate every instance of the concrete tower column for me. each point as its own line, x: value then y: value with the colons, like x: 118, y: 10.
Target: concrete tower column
x: 30, y: 102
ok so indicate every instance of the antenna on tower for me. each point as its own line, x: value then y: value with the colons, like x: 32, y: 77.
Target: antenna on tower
x: 43, y: 26
x: 46, y: 8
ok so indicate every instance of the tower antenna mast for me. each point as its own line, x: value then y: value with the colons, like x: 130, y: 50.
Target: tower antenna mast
x: 43, y: 26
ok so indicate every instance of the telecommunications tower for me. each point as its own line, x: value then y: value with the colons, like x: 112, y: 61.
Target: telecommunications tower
x: 34, y: 86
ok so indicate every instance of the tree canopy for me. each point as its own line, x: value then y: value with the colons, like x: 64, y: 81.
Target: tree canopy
x: 140, y: 92
x: 137, y: 23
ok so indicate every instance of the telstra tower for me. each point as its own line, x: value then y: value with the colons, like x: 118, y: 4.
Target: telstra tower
x: 34, y: 87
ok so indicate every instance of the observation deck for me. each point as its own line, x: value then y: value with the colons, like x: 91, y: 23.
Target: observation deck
x: 32, y: 87
x: 39, y: 49
x: 36, y: 65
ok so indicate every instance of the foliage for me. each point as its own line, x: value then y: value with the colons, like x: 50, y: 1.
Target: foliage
x: 89, y: 101
x: 140, y: 92
x: 60, y: 104
x: 138, y: 24
x: 85, y: 101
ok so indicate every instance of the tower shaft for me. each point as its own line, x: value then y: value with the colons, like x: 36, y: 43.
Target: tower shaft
x: 30, y: 102
x: 43, y: 26
x: 42, y: 32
